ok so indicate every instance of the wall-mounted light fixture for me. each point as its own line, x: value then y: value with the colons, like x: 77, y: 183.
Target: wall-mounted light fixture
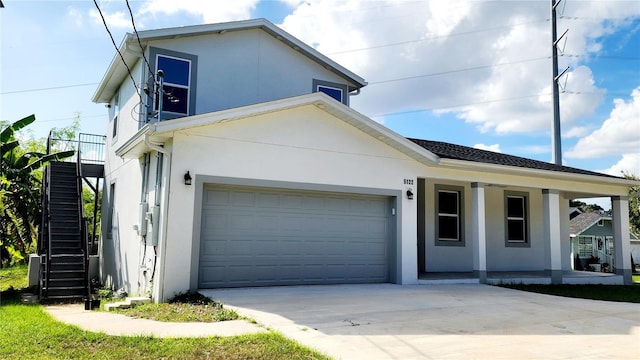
x: 410, y: 194
x: 187, y: 178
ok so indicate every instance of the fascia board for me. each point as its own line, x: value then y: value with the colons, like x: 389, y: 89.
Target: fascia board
x: 503, y: 169
x: 380, y: 132
x: 102, y: 95
x: 133, y: 142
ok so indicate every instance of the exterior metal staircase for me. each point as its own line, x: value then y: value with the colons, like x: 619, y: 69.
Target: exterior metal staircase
x: 64, y: 245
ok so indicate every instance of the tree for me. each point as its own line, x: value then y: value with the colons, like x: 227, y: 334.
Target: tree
x: 20, y: 192
x: 634, y: 204
x: 584, y: 207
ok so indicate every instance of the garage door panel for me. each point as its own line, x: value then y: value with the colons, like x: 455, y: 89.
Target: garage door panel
x: 260, y: 237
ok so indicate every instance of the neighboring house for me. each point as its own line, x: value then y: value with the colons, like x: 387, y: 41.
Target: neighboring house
x: 635, y: 251
x: 256, y: 176
x: 573, y: 212
x: 592, y: 236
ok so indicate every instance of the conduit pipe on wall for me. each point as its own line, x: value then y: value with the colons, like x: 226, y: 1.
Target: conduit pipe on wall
x: 165, y: 199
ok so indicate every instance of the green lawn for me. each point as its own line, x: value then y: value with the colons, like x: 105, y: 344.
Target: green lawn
x: 15, y: 276
x: 29, y: 332
x: 636, y: 279
x: 629, y: 293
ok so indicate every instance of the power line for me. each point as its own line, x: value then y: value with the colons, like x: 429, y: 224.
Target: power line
x: 116, y: 47
x: 460, y: 105
x: 462, y: 33
x: 491, y: 101
x: 67, y: 118
x: 135, y: 31
x: 48, y: 88
x: 457, y: 71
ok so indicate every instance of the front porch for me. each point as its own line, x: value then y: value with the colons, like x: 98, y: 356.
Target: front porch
x: 520, y: 277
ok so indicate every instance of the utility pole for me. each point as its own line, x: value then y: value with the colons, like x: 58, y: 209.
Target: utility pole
x: 556, y: 141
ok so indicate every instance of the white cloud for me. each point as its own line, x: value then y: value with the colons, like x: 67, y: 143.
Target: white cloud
x: 494, y: 147
x: 210, y: 11
x: 619, y: 134
x: 76, y: 16
x: 575, y: 132
x: 116, y: 19
x: 629, y: 164
x: 486, y: 62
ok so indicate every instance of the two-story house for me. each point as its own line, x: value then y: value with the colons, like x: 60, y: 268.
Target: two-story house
x: 249, y: 168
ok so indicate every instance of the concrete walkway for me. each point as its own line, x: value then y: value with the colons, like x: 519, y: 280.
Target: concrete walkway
x: 385, y: 321
x: 121, y: 325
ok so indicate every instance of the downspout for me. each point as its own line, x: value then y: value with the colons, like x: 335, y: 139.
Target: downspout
x: 165, y: 196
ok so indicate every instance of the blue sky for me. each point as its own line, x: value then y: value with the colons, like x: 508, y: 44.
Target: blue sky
x: 475, y: 73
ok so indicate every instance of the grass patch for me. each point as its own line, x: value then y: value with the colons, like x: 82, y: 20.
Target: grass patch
x: 628, y: 293
x: 185, y: 307
x: 635, y: 279
x: 14, y: 277
x: 29, y: 332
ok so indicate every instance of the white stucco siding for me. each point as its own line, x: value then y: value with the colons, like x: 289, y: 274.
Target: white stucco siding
x: 129, y: 110
x: 501, y: 257
x: 248, y: 67
x: 447, y: 258
x: 299, y: 146
x: 121, y: 250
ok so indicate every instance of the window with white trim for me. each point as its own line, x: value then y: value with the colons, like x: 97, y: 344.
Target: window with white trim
x: 585, y: 246
x: 179, y: 83
x: 449, y: 216
x: 177, y: 78
x: 116, y: 114
x: 516, y: 219
x: 335, y: 90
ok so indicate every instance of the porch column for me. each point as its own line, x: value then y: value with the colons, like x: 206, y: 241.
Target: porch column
x: 478, y: 236
x: 552, y: 235
x: 621, y: 245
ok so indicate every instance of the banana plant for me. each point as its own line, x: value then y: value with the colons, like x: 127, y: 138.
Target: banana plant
x: 20, y: 193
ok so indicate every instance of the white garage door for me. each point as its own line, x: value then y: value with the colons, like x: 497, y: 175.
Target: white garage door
x: 264, y: 237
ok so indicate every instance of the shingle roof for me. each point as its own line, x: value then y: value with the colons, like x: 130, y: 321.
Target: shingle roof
x: 459, y: 152
x: 583, y: 221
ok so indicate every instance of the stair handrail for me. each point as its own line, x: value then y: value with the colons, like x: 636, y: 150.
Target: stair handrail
x: 44, y: 248
x: 82, y: 220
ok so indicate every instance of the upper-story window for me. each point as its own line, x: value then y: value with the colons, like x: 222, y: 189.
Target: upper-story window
x: 179, y: 82
x: 177, y: 73
x: 116, y: 113
x: 335, y: 90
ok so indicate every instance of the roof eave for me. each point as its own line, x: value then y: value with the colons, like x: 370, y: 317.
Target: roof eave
x: 473, y: 165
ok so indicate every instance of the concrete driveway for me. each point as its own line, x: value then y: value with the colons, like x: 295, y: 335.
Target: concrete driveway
x: 386, y: 321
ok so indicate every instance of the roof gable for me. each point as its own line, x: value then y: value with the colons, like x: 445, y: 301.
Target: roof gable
x: 584, y: 221
x: 130, y: 50
x: 164, y: 130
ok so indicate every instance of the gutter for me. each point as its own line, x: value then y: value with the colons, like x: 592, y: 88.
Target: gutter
x: 165, y: 214
x: 470, y: 165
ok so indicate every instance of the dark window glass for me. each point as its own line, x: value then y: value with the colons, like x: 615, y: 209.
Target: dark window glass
x: 516, y: 230
x: 448, y: 202
x: 448, y: 228
x: 176, y: 71
x: 175, y: 99
x: 515, y: 206
x: 333, y: 92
